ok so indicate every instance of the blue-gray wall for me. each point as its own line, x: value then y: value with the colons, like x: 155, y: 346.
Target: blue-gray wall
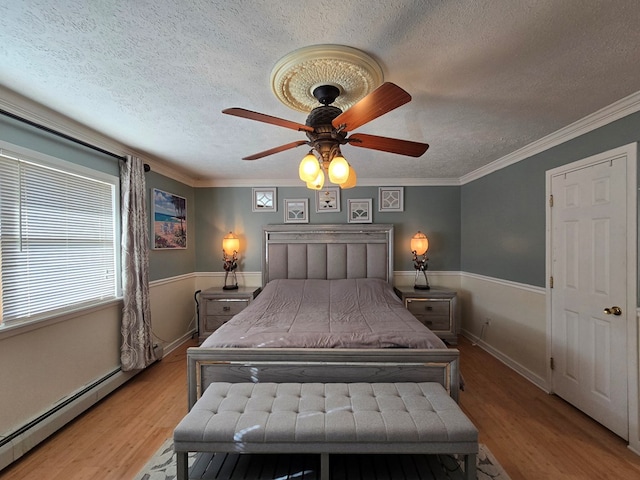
x: 170, y: 263
x: 162, y: 263
x: 503, y: 214
x: 433, y: 210
x: 19, y: 133
x: 493, y: 226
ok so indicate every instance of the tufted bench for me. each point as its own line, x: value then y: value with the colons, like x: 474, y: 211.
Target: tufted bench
x: 326, y: 418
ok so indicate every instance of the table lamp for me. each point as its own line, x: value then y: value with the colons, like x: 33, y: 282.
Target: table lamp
x: 419, y: 247
x: 230, y: 247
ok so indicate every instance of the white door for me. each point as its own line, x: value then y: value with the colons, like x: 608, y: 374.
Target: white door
x: 589, y: 294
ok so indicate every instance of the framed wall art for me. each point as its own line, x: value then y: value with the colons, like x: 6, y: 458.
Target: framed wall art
x: 328, y: 200
x: 264, y: 200
x: 169, y: 220
x: 359, y: 210
x: 296, y: 210
x: 391, y: 199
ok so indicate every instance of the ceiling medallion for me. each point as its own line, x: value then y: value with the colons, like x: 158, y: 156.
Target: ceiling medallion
x: 297, y: 74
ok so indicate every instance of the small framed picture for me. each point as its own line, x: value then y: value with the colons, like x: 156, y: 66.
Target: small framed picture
x: 359, y: 210
x: 328, y: 200
x: 296, y: 210
x: 391, y: 199
x: 264, y: 200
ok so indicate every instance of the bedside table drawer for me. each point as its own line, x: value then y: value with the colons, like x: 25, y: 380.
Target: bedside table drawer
x: 212, y: 323
x: 219, y: 306
x: 419, y: 306
x: 435, y: 314
x: 435, y: 323
x: 225, y: 307
x: 436, y: 308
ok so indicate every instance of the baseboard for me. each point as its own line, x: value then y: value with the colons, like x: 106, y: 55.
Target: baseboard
x: 56, y: 418
x: 509, y: 362
x: 47, y: 424
x: 170, y: 347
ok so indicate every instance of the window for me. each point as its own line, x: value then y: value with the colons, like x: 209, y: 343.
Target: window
x: 57, y: 239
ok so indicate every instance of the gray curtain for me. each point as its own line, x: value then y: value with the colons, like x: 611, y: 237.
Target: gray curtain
x: 137, y: 342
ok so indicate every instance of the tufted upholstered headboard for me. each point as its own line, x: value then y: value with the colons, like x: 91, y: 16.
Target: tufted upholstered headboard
x: 327, y: 251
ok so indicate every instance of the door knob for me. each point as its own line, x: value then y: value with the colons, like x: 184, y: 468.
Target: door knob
x: 613, y: 310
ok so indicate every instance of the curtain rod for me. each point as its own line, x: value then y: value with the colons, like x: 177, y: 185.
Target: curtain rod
x: 147, y: 168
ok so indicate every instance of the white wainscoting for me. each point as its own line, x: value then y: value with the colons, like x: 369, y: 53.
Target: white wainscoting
x: 173, y: 310
x: 516, y: 334
x: 516, y: 331
x: 516, y: 312
x: 73, y: 362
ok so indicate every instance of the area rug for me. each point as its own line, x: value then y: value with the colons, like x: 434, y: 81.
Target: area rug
x: 162, y: 466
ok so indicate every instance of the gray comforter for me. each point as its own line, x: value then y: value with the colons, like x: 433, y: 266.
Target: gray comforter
x: 349, y: 313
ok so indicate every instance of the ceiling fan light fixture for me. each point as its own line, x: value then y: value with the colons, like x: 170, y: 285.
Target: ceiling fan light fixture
x: 318, y: 182
x: 351, y: 180
x: 338, y: 170
x: 309, y: 168
x: 343, y: 80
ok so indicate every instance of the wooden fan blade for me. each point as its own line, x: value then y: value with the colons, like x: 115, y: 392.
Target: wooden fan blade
x: 261, y: 117
x: 391, y: 145
x: 281, y: 148
x: 383, y: 99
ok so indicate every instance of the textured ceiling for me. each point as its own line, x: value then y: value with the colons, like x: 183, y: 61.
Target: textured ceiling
x: 486, y: 77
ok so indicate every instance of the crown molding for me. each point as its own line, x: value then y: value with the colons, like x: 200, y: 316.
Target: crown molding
x: 23, y: 107
x: 604, y: 116
x: 28, y: 109
x: 365, y: 182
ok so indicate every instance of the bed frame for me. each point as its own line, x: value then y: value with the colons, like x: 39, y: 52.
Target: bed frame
x: 331, y: 252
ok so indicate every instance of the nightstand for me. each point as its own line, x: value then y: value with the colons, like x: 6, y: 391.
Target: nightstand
x: 437, y: 308
x: 217, y: 306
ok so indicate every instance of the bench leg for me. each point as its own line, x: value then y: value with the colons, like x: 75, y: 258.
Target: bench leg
x: 470, y: 467
x: 324, y: 466
x: 182, y: 470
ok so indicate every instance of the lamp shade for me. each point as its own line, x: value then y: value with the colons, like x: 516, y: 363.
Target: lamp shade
x: 318, y: 182
x: 338, y: 170
x: 419, y: 243
x: 230, y: 244
x: 309, y: 168
x: 351, y: 179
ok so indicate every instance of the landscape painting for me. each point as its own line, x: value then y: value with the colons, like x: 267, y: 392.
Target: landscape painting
x: 169, y: 220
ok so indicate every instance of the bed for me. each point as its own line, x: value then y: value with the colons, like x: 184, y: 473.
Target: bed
x: 327, y: 314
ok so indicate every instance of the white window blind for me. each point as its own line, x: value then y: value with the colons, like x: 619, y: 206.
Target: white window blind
x: 57, y: 242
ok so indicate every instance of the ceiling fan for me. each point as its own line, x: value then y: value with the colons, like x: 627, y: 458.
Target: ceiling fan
x: 327, y: 128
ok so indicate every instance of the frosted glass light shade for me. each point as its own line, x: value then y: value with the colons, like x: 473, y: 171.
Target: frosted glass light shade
x: 338, y: 170
x: 419, y: 243
x: 309, y: 168
x: 230, y: 244
x: 318, y: 182
x: 351, y: 179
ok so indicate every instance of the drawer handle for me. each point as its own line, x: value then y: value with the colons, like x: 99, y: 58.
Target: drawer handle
x: 226, y: 308
x: 428, y: 309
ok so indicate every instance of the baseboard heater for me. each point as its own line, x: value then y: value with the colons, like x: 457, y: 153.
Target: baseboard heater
x: 46, y: 421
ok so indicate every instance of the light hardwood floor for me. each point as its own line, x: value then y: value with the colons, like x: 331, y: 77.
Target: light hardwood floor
x: 532, y: 434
